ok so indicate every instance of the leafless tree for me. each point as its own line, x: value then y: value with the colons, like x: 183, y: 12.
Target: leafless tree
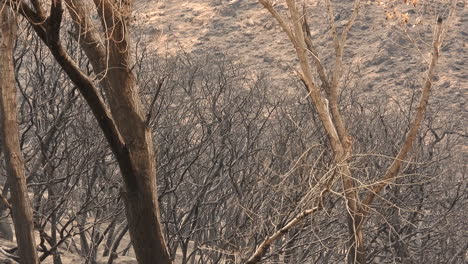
x: 21, y: 209
x: 121, y: 118
x: 326, y: 100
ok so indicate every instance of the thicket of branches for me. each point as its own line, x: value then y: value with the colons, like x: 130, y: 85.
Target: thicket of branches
x: 246, y: 169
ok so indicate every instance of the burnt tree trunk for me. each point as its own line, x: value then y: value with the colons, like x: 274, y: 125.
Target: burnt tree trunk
x: 21, y: 206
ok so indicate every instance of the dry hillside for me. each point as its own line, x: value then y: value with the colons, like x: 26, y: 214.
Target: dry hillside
x: 379, y: 51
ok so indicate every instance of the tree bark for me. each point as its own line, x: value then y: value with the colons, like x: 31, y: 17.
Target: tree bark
x: 122, y: 121
x: 21, y: 206
x: 140, y: 194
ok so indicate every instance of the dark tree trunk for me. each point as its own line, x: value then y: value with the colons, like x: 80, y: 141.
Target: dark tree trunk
x: 124, y: 124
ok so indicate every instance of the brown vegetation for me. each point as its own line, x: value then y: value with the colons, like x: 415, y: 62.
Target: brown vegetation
x: 249, y: 169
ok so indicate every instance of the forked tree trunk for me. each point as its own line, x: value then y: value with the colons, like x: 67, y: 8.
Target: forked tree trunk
x: 124, y: 124
x: 327, y: 105
x: 21, y: 206
x: 139, y: 170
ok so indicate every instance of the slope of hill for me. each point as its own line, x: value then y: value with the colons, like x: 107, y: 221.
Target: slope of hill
x: 381, y: 55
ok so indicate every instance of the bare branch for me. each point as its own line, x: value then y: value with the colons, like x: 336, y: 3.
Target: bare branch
x: 318, y: 64
x: 263, y: 247
x: 280, y: 19
x: 88, y: 37
x: 153, y: 101
x: 394, y: 168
